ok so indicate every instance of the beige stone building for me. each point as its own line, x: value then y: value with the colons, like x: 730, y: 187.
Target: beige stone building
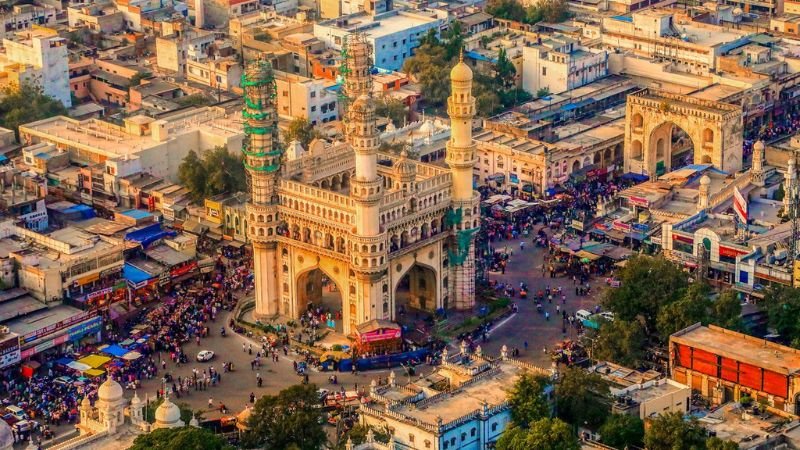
x: 386, y: 232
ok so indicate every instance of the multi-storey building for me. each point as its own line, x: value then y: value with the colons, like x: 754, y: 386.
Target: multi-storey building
x: 42, y: 56
x: 310, y: 98
x: 217, y: 73
x: 98, y: 17
x: 173, y: 51
x: 25, y: 17
x: 394, y: 34
x: 559, y: 64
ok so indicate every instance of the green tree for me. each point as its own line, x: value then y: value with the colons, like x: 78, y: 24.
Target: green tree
x: 180, y: 439
x: 193, y: 100
x: 301, y: 130
x: 671, y: 432
x: 527, y: 400
x: 193, y: 176
x: 726, y: 311
x: 639, y: 297
x: 431, y: 67
x: 453, y: 40
x: 543, y: 92
x: 582, y: 397
x: 543, y: 434
x: 715, y: 443
x: 690, y: 309
x: 783, y: 308
x: 24, y: 104
x: 506, y: 9
x: 291, y: 418
x: 137, y: 78
x: 392, y: 108
x: 225, y: 171
x: 505, y: 69
x: 620, y: 341
x: 622, y: 430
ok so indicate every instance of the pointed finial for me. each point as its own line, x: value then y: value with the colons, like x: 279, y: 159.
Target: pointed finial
x: 461, y: 55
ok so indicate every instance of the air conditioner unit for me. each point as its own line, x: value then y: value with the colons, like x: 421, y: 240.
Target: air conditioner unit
x: 4, y: 330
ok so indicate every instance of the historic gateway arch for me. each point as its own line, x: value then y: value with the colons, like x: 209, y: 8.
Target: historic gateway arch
x: 348, y: 218
x: 715, y: 129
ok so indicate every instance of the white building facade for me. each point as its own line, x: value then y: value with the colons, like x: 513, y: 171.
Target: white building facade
x: 46, y: 54
x: 560, y: 65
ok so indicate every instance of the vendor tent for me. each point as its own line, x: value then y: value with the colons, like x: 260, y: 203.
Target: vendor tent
x: 79, y: 366
x: 93, y: 372
x: 115, y: 350
x: 94, y: 361
x: 130, y: 356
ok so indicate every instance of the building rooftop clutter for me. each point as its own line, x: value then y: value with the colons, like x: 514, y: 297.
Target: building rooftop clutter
x: 383, y: 24
x: 113, y: 140
x: 42, y: 319
x: 731, y: 422
x: 167, y: 256
x: 741, y: 347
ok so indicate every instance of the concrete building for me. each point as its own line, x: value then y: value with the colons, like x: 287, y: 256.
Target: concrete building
x: 559, y: 64
x: 394, y: 35
x: 24, y: 17
x: 723, y: 365
x: 141, y: 144
x: 173, y: 51
x: 689, y: 47
x: 216, y: 73
x: 462, y: 405
x: 310, y: 98
x: 42, y: 55
x: 98, y: 17
x: 652, y: 398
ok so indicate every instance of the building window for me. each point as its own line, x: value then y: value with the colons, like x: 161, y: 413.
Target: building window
x: 313, y: 108
x: 494, y: 426
x: 411, y: 438
x: 544, y: 71
x: 313, y: 94
x: 472, y: 432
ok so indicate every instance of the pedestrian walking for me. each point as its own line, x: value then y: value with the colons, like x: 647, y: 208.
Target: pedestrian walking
x: 210, y: 403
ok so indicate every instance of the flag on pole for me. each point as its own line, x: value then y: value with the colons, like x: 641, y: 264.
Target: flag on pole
x: 740, y: 205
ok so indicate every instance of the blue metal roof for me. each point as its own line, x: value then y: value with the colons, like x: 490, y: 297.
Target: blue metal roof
x: 623, y: 18
x: 136, y: 214
x: 134, y: 274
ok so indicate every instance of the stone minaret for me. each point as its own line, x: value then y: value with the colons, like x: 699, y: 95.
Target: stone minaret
x: 704, y: 193
x: 757, y: 170
x: 369, y: 254
x: 263, y: 164
x: 465, y: 215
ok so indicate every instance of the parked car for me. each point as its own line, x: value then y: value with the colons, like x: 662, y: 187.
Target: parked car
x: 205, y: 355
x: 17, y: 412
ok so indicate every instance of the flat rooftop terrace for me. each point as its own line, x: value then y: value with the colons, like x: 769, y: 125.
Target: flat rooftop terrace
x: 741, y: 347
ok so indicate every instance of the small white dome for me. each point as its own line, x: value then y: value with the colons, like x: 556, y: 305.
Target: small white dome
x: 390, y: 127
x: 6, y: 436
x: 759, y: 145
x: 705, y: 180
x: 136, y: 401
x: 168, y: 414
x: 427, y: 127
x: 110, y: 391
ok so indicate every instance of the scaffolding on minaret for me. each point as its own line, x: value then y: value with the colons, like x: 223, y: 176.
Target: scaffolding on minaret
x: 261, y: 149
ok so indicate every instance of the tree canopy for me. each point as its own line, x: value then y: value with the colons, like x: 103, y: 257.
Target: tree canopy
x: 290, y: 419
x: 216, y: 172
x: 393, y: 109
x: 24, y: 104
x: 620, y: 341
x: 180, y: 439
x: 542, y: 434
x: 622, y: 430
x: 552, y: 11
x: 782, y: 305
x: 671, y: 432
x: 582, y: 397
x: 527, y: 399
x: 301, y: 130
x: 431, y: 64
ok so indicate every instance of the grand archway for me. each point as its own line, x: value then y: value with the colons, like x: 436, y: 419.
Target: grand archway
x: 315, y: 289
x: 415, y: 294
x: 671, y: 146
x: 652, y: 117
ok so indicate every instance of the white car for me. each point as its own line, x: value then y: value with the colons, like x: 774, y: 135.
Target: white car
x: 583, y: 314
x: 608, y: 315
x: 205, y: 355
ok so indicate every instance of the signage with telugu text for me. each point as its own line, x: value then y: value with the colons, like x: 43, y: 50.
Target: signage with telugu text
x: 34, y: 335
x: 9, y: 352
x: 372, y: 337
x: 639, y: 201
x: 621, y: 226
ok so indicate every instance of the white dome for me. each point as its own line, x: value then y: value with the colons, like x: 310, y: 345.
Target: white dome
x: 705, y: 180
x: 110, y: 391
x: 168, y: 414
x: 6, y: 437
x: 427, y: 127
x: 759, y: 145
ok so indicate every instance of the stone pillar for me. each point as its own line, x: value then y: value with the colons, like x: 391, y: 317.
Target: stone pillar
x: 265, y: 268
x: 757, y: 170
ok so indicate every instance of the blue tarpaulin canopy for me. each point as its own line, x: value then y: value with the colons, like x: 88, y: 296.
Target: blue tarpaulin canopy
x: 637, y: 177
x: 64, y: 361
x: 115, y: 350
x: 134, y: 274
x: 149, y: 234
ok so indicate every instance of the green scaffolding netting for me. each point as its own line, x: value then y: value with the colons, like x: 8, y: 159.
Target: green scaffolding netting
x: 262, y: 130
x: 453, y: 217
x: 463, y: 241
x: 272, y: 168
